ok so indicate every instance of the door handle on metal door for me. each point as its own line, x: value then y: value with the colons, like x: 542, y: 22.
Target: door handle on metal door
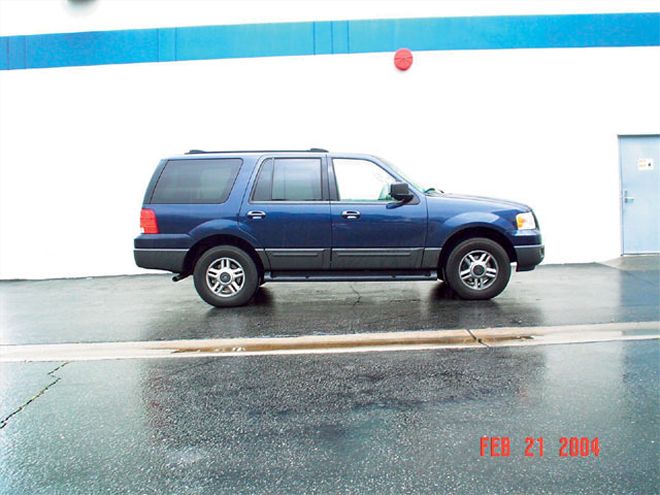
x: 256, y: 214
x: 350, y: 214
x: 626, y: 198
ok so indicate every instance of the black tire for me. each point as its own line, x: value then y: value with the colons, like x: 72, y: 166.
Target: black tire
x: 480, y: 282
x: 226, y: 293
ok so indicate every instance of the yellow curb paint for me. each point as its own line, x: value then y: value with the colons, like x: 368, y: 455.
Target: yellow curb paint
x: 324, y: 344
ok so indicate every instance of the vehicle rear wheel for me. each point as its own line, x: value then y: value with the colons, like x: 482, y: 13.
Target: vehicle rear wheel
x: 478, y: 268
x: 226, y: 276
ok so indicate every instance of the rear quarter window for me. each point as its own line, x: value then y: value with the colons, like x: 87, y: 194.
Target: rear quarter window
x: 196, y: 181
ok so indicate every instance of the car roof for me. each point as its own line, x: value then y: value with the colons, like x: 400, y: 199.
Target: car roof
x: 201, y: 154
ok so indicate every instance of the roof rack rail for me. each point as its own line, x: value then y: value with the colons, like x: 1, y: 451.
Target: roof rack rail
x: 313, y: 150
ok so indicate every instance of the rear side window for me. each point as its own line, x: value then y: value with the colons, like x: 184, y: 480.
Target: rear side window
x: 264, y: 182
x: 289, y: 179
x: 196, y: 181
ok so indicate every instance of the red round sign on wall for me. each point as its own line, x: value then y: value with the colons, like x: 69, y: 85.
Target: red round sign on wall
x: 403, y: 59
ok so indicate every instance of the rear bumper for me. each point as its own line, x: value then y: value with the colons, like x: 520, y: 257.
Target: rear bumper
x: 529, y: 256
x: 160, y: 259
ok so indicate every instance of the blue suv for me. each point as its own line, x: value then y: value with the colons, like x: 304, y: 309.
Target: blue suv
x: 237, y: 219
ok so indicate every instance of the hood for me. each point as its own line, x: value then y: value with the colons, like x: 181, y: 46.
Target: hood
x: 485, y: 201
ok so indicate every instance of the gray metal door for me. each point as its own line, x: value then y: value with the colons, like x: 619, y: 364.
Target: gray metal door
x: 640, y: 187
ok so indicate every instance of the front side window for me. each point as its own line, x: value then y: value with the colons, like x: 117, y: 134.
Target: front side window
x: 289, y: 179
x: 196, y: 181
x: 361, y: 180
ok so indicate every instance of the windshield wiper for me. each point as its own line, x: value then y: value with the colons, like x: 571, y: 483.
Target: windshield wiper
x: 432, y: 190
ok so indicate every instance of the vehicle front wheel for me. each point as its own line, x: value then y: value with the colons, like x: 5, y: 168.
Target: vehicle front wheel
x: 478, y: 268
x: 226, y: 276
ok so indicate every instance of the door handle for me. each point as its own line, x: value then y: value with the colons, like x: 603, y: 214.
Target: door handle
x: 626, y: 198
x: 256, y: 214
x: 350, y: 214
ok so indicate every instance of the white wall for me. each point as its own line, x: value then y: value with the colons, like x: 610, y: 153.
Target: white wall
x: 78, y: 145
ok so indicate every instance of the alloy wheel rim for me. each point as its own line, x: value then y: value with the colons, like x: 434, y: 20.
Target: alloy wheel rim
x: 478, y: 269
x: 225, y: 277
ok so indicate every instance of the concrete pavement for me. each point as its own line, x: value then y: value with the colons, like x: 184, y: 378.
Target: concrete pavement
x: 396, y: 422
x: 412, y: 421
x: 347, y: 343
x: 151, y: 307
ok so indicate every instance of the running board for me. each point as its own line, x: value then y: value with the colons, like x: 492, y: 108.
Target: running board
x: 350, y: 276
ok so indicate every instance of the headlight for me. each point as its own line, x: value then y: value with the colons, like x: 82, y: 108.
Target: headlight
x: 525, y: 221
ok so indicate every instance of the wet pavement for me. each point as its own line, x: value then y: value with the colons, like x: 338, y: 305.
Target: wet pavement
x: 378, y: 422
x: 151, y: 307
x: 395, y: 422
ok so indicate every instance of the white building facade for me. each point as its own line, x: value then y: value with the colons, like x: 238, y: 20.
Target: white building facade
x: 518, y: 100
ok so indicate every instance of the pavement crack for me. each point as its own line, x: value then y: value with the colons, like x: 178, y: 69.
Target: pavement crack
x: 359, y: 296
x: 51, y: 373
x: 478, y: 339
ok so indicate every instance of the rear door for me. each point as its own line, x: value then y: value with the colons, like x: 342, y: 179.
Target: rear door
x: 366, y: 233
x: 288, y: 211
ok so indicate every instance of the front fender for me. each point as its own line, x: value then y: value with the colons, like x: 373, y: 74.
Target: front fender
x: 439, y: 232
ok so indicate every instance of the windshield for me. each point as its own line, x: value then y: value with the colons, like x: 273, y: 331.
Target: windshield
x: 420, y: 186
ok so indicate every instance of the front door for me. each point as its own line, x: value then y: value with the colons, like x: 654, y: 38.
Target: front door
x: 288, y: 212
x: 640, y: 189
x: 366, y: 233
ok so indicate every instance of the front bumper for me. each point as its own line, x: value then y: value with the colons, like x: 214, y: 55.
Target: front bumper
x: 529, y: 256
x: 160, y: 259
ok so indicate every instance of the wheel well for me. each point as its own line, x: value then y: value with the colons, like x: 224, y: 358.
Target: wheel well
x: 469, y: 233
x: 219, y: 240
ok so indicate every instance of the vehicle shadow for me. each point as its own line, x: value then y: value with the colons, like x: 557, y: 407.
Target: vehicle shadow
x: 263, y: 297
x: 442, y: 292
x: 299, y: 309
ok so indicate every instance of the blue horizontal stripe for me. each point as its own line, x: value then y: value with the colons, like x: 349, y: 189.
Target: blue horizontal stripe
x: 327, y: 37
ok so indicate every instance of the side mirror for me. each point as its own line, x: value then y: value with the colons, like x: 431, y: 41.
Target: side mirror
x: 400, y: 191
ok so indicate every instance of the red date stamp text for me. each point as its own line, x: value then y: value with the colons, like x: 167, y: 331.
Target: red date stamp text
x: 538, y: 447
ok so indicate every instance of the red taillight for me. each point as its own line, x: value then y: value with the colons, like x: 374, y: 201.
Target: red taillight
x: 148, y: 222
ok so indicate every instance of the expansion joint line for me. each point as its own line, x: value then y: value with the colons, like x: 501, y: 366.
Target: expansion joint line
x: 51, y: 373
x: 477, y: 339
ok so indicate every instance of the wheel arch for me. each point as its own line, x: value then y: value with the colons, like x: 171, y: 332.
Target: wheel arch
x: 471, y: 232
x: 201, y: 246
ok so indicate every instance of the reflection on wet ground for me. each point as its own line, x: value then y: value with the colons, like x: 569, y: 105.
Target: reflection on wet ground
x: 396, y: 422
x: 153, y: 308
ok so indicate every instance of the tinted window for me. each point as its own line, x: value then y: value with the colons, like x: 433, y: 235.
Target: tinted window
x: 196, y: 181
x: 289, y: 179
x: 264, y: 182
